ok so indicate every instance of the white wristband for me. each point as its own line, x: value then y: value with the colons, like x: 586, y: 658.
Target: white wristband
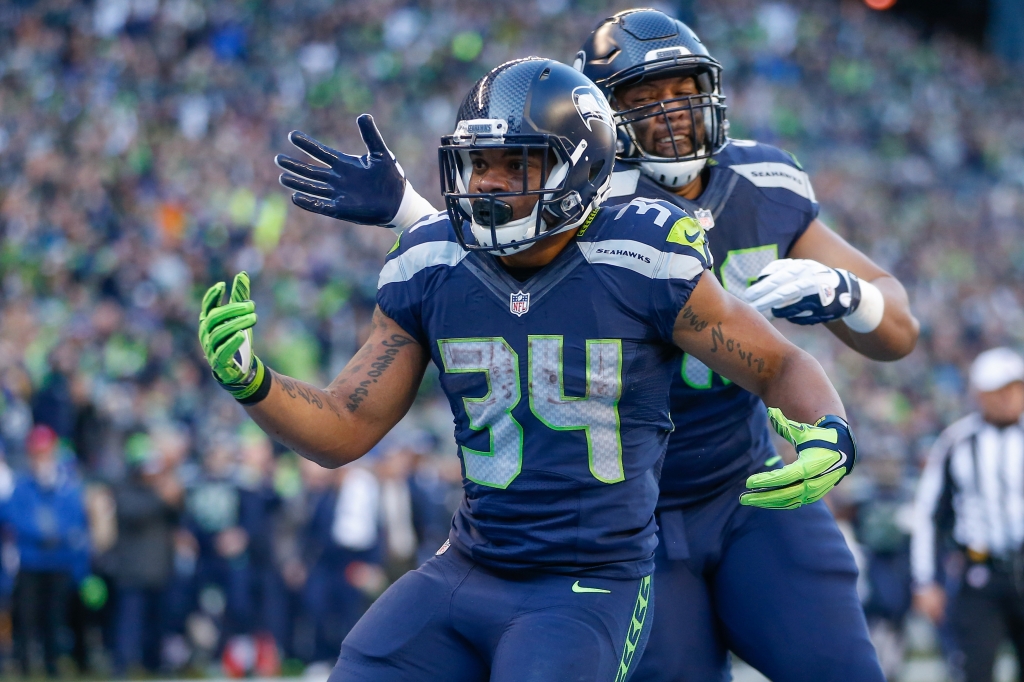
x: 868, y: 315
x: 413, y: 208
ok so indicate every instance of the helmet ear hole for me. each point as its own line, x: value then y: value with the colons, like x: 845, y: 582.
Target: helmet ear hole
x: 595, y: 169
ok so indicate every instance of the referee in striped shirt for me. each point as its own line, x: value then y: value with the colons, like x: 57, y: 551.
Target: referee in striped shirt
x: 972, y: 495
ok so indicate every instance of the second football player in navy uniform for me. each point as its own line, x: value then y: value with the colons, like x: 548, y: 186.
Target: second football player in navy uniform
x: 719, y: 562
x: 555, y: 325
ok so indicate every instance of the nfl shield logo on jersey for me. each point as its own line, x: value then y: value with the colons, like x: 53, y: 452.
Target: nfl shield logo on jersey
x: 520, y: 304
x: 705, y: 218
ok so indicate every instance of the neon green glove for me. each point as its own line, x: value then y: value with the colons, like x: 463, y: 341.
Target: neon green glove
x: 225, y: 333
x: 826, y: 451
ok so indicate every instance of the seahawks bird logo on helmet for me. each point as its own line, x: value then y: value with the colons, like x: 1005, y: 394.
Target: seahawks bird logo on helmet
x: 592, y: 105
x: 641, y: 46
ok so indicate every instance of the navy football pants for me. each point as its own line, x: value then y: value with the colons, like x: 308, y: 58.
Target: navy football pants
x: 777, y: 587
x: 453, y: 620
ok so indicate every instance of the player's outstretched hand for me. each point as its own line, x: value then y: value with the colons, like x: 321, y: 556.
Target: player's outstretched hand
x: 804, y: 291
x: 365, y: 189
x: 826, y: 452
x: 225, y: 333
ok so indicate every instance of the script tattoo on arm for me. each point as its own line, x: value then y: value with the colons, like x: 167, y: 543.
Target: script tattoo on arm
x: 695, y: 322
x: 363, y: 371
x: 719, y: 341
x: 378, y: 366
x: 296, y: 390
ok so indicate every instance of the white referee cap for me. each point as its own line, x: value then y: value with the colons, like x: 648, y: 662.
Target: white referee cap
x: 995, y: 369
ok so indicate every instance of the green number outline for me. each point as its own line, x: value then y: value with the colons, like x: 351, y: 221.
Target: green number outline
x: 740, y: 252
x: 507, y: 411
x: 565, y: 398
x: 686, y: 379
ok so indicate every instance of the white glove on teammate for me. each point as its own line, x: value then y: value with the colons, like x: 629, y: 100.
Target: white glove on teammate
x: 805, y: 291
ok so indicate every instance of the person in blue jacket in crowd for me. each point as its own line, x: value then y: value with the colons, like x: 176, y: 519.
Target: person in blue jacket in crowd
x: 46, y: 516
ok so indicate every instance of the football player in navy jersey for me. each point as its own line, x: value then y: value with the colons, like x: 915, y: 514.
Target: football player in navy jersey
x: 718, y: 562
x: 555, y: 324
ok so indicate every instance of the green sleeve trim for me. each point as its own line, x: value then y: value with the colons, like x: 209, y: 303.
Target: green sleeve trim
x: 586, y: 223
x: 393, y: 248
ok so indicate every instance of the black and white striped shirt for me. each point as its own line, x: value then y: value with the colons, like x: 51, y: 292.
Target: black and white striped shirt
x: 974, y: 484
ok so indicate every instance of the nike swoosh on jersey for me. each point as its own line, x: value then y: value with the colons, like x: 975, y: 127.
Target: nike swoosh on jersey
x: 583, y: 590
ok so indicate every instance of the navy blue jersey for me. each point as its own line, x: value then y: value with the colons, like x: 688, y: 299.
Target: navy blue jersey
x: 761, y: 203
x: 559, y: 384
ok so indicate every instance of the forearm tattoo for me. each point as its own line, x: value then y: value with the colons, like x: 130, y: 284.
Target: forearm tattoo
x: 380, y: 364
x: 296, y: 390
x: 367, y: 367
x: 691, y: 318
x: 719, y: 341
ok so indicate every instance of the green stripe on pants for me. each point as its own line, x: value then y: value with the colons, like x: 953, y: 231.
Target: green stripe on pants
x: 636, y: 628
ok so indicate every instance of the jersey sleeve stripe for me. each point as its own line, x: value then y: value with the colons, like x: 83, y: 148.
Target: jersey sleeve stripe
x: 774, y: 174
x: 642, y: 258
x: 428, y: 219
x: 404, y: 267
x: 624, y: 183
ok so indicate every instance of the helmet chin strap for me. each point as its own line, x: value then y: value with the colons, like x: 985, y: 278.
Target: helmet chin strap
x: 668, y: 174
x: 673, y: 174
x: 523, y: 227
x: 602, y: 194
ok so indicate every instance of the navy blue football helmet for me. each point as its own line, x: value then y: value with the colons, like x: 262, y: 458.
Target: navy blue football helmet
x: 639, y: 45
x: 529, y: 105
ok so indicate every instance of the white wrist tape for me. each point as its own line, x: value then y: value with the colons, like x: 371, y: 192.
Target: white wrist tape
x: 869, y: 313
x: 413, y: 208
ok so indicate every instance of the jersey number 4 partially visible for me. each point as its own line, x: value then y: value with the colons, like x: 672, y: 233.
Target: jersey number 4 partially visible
x: 596, y: 413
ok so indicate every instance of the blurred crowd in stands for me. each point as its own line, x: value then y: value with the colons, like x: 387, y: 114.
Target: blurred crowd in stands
x: 220, y: 555
x: 149, y: 525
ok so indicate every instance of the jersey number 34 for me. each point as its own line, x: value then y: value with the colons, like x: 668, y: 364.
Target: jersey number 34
x: 596, y: 413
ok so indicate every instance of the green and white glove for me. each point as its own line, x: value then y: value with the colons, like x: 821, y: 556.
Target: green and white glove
x: 826, y: 452
x: 225, y: 333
